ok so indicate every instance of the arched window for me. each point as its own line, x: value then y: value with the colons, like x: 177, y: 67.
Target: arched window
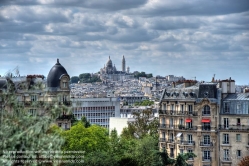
x: 206, y: 110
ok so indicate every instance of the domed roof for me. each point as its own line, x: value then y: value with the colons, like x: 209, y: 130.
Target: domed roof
x: 54, y: 75
x: 109, y: 63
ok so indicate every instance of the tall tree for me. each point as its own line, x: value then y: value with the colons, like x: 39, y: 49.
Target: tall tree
x: 145, y: 124
x: 22, y: 131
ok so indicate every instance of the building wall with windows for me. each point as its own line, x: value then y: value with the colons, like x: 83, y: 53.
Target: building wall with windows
x: 234, y: 128
x: 188, y: 122
x: 96, y: 110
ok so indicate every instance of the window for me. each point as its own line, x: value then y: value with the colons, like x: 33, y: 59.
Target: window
x: 226, y: 107
x: 239, y: 111
x: 238, y: 153
x: 226, y: 154
x: 172, y: 107
x: 163, y: 134
x: 206, y: 110
x: 238, y: 137
x: 181, y: 122
x: 171, y: 122
x: 206, y: 155
x: 163, y: 121
x: 65, y: 125
x: 59, y: 124
x: 181, y: 151
x: 206, y: 139
x: 182, y: 108
x: 189, y: 125
x: 190, y: 150
x: 64, y: 98
x: 64, y: 84
x: 206, y: 126
x: 32, y: 112
x: 172, y: 137
x: 238, y: 121
x: 225, y: 139
x: 33, y: 98
x: 171, y: 152
x: 226, y: 123
x: 164, y: 106
x: 190, y: 138
x: 190, y: 109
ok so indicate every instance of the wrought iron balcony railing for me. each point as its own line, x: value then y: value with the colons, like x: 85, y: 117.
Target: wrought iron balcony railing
x: 206, y: 143
x: 206, y: 158
x: 181, y: 127
x: 234, y: 127
x: 178, y: 113
x: 189, y: 142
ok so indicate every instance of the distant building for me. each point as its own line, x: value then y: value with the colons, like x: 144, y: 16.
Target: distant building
x: 96, y: 110
x: 109, y: 72
x: 172, y: 78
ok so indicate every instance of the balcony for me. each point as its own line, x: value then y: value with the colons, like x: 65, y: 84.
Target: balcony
x: 178, y: 113
x: 208, y: 128
x: 170, y: 141
x: 206, y: 144
x: 225, y: 142
x: 206, y: 158
x: 207, y: 113
x: 226, y: 159
x: 171, y: 155
x: 178, y: 127
x: 162, y: 139
x: 234, y: 127
x: 191, y: 143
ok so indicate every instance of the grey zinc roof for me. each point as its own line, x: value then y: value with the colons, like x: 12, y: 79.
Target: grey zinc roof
x: 181, y: 93
x: 237, y: 96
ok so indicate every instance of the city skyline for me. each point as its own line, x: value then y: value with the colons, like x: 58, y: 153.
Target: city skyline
x: 182, y: 38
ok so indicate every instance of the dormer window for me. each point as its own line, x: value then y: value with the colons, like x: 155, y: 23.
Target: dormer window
x: 64, y: 84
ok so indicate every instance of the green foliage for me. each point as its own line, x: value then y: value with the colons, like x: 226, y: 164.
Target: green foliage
x: 147, y: 152
x: 144, y: 103
x: 87, y: 78
x: 181, y: 159
x: 20, y: 131
x: 145, y: 124
x: 142, y: 74
x: 90, y: 139
x: 74, y: 79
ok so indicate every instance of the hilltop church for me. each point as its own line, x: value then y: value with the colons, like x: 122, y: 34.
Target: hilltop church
x: 110, y: 73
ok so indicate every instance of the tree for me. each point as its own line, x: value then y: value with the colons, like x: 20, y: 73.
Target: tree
x: 22, y: 131
x: 74, y: 79
x: 145, y: 124
x: 147, y: 152
x: 80, y: 138
x: 182, y: 158
x: 244, y: 161
x: 85, y: 76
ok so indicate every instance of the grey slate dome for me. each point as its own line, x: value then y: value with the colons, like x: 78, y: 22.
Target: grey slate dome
x: 54, y: 75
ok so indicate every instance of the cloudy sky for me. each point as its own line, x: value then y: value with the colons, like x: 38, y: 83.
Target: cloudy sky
x: 195, y: 38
